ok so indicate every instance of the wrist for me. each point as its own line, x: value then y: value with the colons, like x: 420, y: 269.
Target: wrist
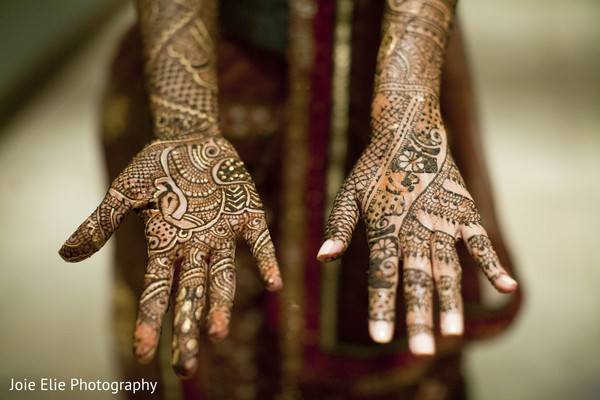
x: 413, y: 45
x: 194, y: 133
x: 397, y: 115
x: 173, y: 121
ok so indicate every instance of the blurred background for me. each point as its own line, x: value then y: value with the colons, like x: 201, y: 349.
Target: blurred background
x: 536, y: 66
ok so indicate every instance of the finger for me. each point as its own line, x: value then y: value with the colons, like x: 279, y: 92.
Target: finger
x: 418, y: 291
x: 341, y: 223
x: 153, y: 304
x: 98, y: 227
x: 261, y: 246
x: 447, y: 276
x: 480, y: 248
x: 189, y: 306
x: 383, y: 282
x: 221, y: 291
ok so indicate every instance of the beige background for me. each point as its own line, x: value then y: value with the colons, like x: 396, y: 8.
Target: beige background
x: 537, y: 70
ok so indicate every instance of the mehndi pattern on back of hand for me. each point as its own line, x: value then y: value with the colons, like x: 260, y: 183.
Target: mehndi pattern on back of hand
x: 406, y: 185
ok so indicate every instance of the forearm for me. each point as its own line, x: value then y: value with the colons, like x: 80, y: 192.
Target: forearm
x: 411, y: 56
x: 180, y: 66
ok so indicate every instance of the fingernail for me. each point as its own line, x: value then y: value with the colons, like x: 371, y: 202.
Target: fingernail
x: 452, y: 324
x: 381, y: 331
x: 422, y: 344
x: 507, y: 280
x: 326, y: 248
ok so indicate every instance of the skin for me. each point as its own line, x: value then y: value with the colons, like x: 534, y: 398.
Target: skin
x: 196, y: 197
x: 189, y: 186
x: 408, y: 189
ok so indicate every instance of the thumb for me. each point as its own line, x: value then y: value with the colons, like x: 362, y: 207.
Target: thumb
x: 98, y: 227
x: 341, y: 223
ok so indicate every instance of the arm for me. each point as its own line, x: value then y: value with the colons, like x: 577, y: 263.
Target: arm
x: 407, y: 187
x: 189, y: 186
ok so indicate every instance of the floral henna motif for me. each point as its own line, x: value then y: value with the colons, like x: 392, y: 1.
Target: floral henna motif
x: 382, y: 277
x: 405, y: 185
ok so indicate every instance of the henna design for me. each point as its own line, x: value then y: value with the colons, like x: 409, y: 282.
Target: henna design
x: 97, y: 228
x: 406, y: 185
x: 444, y: 250
x: 190, y: 187
x: 480, y: 248
x: 382, y: 304
x: 418, y: 290
x: 180, y: 65
x: 449, y: 292
x: 416, y: 329
x: 200, y: 188
x: 383, y: 277
x: 196, y: 198
x: 383, y: 270
x: 448, y: 280
x: 189, y: 306
x: 416, y: 238
x: 204, y: 199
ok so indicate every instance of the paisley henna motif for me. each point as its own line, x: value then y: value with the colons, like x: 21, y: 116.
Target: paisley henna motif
x: 201, y: 187
x: 189, y: 186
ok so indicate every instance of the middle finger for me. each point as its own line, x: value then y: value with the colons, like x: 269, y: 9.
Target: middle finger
x: 189, y: 305
x: 418, y: 291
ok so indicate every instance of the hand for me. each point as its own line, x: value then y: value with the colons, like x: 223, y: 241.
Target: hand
x: 196, y: 198
x: 415, y: 206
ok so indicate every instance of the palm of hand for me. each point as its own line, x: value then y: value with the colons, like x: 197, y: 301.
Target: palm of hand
x: 196, y: 198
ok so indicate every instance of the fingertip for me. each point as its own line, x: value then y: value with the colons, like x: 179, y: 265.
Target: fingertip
x: 83, y: 243
x: 217, y: 333
x: 187, y: 369
x: 63, y: 252
x: 422, y: 344
x: 381, y: 331
x: 218, y: 326
x: 74, y: 254
x: 330, y: 250
x: 325, y: 248
x: 452, y: 324
x: 506, y: 284
x: 272, y: 279
x: 184, y: 358
x: 274, y: 284
x: 145, y: 343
